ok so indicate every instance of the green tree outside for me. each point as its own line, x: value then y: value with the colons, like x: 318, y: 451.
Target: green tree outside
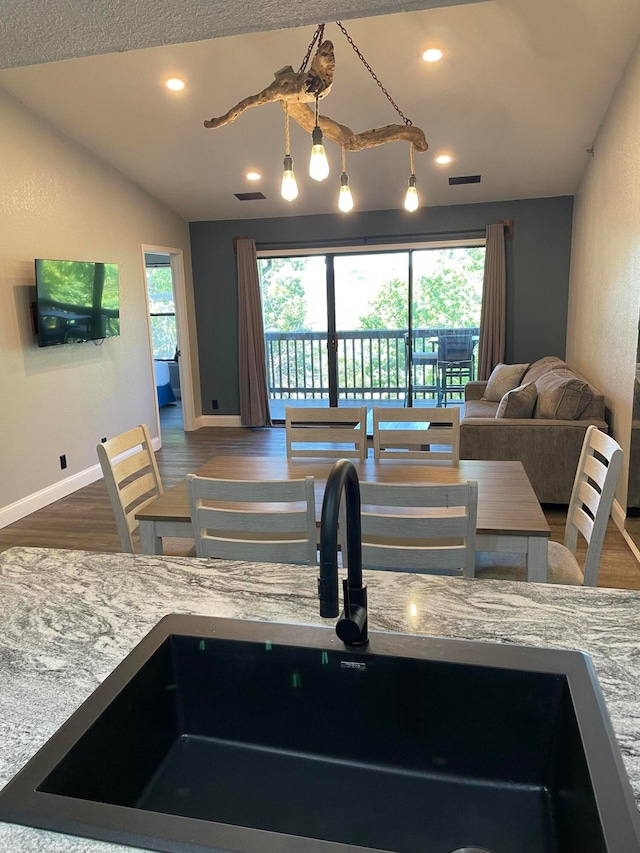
x: 164, y: 333
x: 449, y: 298
x: 283, y: 299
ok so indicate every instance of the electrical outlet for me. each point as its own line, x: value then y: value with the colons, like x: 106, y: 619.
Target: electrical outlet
x: 214, y: 404
x: 63, y: 461
x: 103, y: 439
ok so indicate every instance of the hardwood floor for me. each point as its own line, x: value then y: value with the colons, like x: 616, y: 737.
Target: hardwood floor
x: 84, y: 520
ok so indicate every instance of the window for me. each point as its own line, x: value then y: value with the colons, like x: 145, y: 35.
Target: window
x: 162, y: 312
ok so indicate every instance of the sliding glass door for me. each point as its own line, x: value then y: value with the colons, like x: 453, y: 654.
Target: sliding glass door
x: 353, y: 328
x: 371, y: 327
x: 294, y: 305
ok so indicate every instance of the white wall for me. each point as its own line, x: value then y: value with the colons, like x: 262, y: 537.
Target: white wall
x: 604, y: 294
x: 57, y: 200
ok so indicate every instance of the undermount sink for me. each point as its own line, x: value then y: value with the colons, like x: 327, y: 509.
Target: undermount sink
x: 218, y: 734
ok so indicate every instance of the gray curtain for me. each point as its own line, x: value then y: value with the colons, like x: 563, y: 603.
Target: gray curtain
x: 494, y: 299
x: 252, y: 365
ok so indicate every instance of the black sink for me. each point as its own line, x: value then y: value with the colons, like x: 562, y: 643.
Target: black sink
x: 219, y: 734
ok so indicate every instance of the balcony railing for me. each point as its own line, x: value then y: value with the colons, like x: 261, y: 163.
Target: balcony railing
x: 372, y: 365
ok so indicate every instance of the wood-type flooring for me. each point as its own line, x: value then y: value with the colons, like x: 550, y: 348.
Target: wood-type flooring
x: 84, y: 520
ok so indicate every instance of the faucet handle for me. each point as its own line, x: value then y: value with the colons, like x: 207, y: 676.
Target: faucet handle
x: 352, y: 627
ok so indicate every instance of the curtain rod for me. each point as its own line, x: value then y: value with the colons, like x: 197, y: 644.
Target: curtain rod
x: 369, y: 241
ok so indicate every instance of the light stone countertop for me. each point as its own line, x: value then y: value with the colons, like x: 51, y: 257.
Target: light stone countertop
x: 68, y: 618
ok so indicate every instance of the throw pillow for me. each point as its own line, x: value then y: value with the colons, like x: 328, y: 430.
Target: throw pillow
x: 542, y: 366
x: 518, y: 403
x: 561, y: 396
x: 504, y: 377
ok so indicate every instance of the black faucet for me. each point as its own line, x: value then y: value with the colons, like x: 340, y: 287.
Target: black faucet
x: 352, y: 626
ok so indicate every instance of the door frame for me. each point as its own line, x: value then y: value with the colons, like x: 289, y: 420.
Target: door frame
x: 176, y: 258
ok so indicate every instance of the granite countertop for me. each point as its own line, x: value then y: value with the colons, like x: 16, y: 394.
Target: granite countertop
x: 69, y: 617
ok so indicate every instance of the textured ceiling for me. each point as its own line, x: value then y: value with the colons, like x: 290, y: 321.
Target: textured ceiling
x: 34, y: 31
x: 517, y: 98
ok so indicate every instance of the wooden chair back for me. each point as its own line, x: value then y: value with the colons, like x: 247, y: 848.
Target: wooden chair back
x: 131, y: 474
x: 592, y: 496
x: 424, y: 528
x: 416, y: 433
x: 310, y: 430
x: 272, y: 521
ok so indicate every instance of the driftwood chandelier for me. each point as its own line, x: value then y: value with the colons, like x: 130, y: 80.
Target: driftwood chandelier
x: 296, y: 91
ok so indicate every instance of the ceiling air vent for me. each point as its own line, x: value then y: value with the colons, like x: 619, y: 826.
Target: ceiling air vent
x: 465, y: 179
x: 249, y: 196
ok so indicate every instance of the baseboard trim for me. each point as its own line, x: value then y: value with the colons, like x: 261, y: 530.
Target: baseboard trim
x: 632, y: 545
x: 38, y: 500
x: 44, y: 497
x: 218, y: 421
x: 619, y: 515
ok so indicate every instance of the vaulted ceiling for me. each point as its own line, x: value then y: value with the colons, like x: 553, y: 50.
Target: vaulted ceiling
x: 517, y: 97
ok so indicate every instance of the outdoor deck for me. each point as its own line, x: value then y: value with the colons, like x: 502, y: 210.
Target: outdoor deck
x: 373, y: 368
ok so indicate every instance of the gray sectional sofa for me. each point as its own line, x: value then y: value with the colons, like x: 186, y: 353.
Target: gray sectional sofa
x: 548, y: 448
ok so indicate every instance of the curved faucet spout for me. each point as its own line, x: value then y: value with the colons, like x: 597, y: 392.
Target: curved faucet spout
x: 352, y: 625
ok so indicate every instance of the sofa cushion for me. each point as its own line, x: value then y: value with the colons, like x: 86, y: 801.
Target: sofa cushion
x: 542, y: 366
x: 504, y: 377
x: 480, y: 409
x: 518, y: 403
x: 562, y: 396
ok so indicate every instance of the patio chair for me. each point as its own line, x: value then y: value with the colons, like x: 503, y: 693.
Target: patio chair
x: 455, y: 363
x: 271, y: 521
x: 311, y: 430
x: 423, y: 528
x: 588, y: 514
x: 132, y: 478
x: 416, y: 433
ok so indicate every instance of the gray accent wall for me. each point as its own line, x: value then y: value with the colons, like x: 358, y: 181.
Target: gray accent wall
x: 537, y: 272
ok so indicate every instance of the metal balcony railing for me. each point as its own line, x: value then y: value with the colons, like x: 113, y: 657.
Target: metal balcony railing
x: 372, y: 364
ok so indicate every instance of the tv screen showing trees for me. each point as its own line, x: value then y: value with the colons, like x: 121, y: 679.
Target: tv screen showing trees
x: 76, y: 301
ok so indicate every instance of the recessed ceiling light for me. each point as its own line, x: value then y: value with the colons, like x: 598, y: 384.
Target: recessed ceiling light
x: 443, y: 159
x: 175, y: 84
x: 432, y: 55
x: 253, y: 176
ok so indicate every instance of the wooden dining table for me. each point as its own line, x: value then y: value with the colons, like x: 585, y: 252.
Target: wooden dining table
x: 510, y: 518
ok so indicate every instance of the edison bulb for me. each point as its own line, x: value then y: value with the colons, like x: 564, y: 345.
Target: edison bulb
x: 345, y: 199
x: 411, y: 198
x: 289, y: 189
x: 318, y: 164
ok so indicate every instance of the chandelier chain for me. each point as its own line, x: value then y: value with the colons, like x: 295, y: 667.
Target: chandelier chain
x: 407, y: 121
x: 317, y: 37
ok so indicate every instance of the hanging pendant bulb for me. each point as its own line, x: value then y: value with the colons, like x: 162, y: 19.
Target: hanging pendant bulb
x: 289, y: 189
x: 345, y: 200
x: 318, y: 164
x: 411, y: 198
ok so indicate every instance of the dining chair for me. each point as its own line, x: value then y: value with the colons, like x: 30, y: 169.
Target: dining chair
x: 423, y: 528
x: 418, y: 432
x: 588, y: 514
x: 455, y: 362
x: 131, y: 474
x: 310, y: 430
x: 273, y: 521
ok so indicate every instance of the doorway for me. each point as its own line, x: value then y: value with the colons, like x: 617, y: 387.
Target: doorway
x: 168, y: 338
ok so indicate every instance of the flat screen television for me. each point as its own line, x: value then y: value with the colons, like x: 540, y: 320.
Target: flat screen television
x: 76, y: 301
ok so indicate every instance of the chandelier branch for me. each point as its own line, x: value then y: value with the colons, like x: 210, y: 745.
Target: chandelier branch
x: 290, y: 86
x: 344, y: 136
x: 297, y: 89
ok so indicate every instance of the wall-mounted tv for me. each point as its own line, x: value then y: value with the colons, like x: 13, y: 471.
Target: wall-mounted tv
x: 76, y: 301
